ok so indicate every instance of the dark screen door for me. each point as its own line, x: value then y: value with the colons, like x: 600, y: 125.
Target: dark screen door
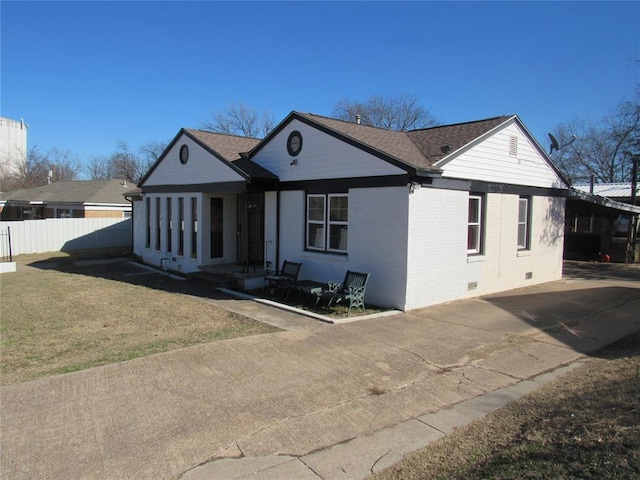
x: 216, y: 228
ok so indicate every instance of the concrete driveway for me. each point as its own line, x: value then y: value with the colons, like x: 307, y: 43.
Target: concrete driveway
x: 305, y: 389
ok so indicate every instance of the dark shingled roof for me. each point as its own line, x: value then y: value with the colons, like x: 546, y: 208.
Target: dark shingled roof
x: 433, y: 142
x: 393, y: 143
x: 229, y: 147
x: 418, y: 148
x: 87, y: 191
x: 415, y: 149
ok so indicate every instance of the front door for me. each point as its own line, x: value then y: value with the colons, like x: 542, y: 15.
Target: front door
x: 250, y: 238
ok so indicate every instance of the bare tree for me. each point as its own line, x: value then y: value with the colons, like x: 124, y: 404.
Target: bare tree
x: 41, y: 168
x: 603, y: 149
x: 123, y: 163
x: 394, y: 112
x: 150, y: 152
x: 240, y: 119
x: 99, y: 168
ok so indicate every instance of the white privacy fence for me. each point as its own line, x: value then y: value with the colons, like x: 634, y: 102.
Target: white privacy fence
x: 66, y: 234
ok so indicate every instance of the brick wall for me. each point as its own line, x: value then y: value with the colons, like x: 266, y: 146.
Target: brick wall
x: 440, y: 269
x: 102, y: 214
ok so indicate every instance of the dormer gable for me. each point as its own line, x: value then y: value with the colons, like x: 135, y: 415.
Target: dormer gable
x: 196, y: 157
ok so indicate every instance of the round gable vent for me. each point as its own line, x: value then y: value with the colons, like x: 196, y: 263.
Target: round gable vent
x: 184, y: 154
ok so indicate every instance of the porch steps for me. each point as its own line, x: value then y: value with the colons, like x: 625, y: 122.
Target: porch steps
x: 215, y: 279
x: 229, y: 276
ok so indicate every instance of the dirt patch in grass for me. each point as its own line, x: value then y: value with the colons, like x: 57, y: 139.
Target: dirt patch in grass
x: 584, y: 425
x: 59, y: 317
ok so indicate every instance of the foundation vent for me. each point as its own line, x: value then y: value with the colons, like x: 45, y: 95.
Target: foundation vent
x: 472, y: 285
x: 528, y: 275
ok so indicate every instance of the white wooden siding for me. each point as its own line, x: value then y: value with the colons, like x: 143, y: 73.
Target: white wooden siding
x: 202, y: 167
x: 490, y: 161
x: 322, y: 157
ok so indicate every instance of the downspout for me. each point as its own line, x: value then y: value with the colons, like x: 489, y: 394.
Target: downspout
x: 130, y: 200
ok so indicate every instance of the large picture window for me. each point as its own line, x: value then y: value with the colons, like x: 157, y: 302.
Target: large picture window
x: 475, y: 225
x: 327, y: 222
x: 524, y: 219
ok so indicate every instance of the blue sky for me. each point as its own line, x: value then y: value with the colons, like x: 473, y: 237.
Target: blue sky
x: 85, y: 74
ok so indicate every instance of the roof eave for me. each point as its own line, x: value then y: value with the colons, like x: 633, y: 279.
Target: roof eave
x: 398, y: 162
x: 184, y: 131
x: 513, y: 118
x: 451, y: 155
x: 603, y: 201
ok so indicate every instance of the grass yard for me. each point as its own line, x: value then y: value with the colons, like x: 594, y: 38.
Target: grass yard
x: 585, y: 425
x: 62, y: 317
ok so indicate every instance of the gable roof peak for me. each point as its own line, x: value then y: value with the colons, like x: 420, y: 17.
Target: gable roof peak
x: 440, y: 141
x: 315, y: 116
x: 499, y: 118
x: 209, y: 132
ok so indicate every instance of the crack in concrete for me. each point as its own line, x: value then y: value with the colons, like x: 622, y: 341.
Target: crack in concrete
x: 431, y: 426
x: 529, y: 355
x: 377, y: 460
x: 317, y: 474
x: 500, y: 373
x: 621, y: 304
x: 275, y: 424
x: 435, y: 366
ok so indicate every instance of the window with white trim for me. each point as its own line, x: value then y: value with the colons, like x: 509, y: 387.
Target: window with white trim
x: 524, y: 219
x: 327, y: 224
x: 475, y: 225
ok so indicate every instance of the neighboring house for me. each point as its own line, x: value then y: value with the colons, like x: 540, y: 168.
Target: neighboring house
x: 598, y: 220
x: 620, y: 192
x: 433, y: 215
x: 73, y: 199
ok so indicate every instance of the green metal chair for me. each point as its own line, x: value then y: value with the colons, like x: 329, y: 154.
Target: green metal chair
x: 352, y: 289
x: 286, y: 279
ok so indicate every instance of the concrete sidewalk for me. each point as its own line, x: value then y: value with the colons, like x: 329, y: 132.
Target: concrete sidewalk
x: 315, y: 401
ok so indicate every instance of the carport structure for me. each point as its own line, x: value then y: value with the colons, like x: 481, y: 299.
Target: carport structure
x: 593, y: 230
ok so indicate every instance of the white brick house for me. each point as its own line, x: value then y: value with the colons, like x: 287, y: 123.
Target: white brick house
x: 433, y: 215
